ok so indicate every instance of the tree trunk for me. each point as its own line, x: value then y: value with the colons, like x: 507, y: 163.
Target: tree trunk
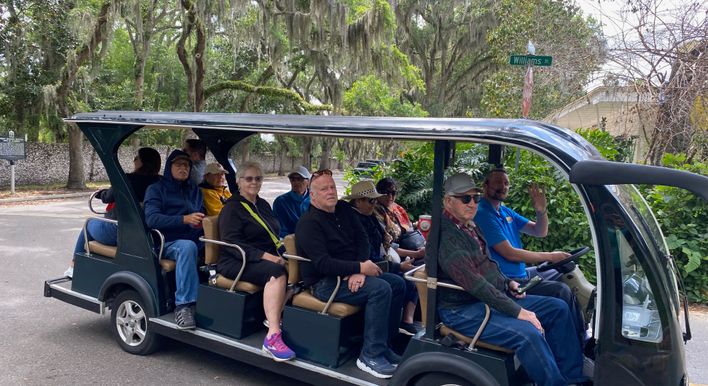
x: 245, y: 149
x: 325, y: 158
x: 76, y: 178
x: 182, y: 51
x: 306, y: 152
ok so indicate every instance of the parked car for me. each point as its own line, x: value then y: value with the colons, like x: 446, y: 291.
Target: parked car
x: 365, y: 168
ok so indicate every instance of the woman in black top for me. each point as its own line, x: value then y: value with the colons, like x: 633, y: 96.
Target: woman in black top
x: 248, y: 221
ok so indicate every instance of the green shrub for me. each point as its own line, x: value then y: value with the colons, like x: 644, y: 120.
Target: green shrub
x: 683, y: 217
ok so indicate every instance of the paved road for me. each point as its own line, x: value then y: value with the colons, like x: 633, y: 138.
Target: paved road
x: 45, y: 341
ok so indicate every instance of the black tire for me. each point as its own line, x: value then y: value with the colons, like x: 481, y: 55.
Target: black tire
x: 446, y: 379
x: 129, y: 324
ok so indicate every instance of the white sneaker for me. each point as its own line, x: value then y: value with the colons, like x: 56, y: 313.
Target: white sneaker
x: 69, y: 272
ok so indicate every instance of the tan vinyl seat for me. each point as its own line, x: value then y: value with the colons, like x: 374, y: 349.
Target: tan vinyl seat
x: 306, y: 299
x: 211, y: 256
x: 444, y: 330
x: 102, y: 249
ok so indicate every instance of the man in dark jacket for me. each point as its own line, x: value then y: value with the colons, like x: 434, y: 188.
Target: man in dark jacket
x: 331, y: 235
x: 174, y: 206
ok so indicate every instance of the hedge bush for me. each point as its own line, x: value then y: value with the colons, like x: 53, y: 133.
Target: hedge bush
x: 682, y: 216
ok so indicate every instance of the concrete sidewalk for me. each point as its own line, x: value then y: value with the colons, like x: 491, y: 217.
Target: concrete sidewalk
x: 41, y: 197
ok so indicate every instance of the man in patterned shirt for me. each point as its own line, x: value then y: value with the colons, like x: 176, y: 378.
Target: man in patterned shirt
x: 538, y: 328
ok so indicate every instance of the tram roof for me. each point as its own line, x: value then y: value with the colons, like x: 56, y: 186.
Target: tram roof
x: 563, y: 143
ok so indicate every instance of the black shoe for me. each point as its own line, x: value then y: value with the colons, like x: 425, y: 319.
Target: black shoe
x: 409, y: 329
x: 184, y: 317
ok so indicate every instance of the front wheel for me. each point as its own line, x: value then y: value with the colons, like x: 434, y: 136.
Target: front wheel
x: 129, y: 323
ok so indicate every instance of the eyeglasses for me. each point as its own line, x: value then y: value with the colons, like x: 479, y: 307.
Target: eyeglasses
x: 320, y: 173
x: 466, y: 198
x: 372, y: 201
x: 253, y: 178
x: 296, y: 178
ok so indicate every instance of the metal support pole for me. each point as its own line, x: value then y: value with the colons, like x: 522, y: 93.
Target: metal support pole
x: 12, y: 177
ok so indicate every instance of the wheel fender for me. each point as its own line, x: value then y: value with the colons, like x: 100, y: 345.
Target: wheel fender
x: 423, y: 363
x: 134, y: 281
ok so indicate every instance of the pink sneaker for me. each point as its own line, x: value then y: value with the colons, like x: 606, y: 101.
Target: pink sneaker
x: 277, y: 349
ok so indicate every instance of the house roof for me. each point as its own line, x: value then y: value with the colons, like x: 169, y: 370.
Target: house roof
x: 601, y: 102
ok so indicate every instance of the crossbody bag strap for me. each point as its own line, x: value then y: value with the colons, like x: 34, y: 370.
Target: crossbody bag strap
x: 258, y: 218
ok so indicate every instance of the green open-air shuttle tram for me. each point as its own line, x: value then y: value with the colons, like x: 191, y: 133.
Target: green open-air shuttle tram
x: 636, y: 325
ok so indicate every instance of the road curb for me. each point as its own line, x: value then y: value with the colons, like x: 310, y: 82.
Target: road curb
x: 45, y: 197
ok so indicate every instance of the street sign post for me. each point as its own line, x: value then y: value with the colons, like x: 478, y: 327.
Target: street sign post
x: 523, y: 60
x: 12, y: 149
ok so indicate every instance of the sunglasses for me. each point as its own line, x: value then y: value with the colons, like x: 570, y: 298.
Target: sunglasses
x: 391, y: 192
x: 469, y: 197
x: 320, y: 173
x: 253, y: 178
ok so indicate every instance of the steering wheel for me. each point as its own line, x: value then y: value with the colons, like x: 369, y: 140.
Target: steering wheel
x: 574, y: 257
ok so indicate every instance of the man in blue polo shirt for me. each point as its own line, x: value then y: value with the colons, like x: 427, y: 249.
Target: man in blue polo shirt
x: 502, y: 228
x: 290, y: 206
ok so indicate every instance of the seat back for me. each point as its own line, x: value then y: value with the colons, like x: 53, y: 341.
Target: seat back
x: 211, y: 231
x: 422, y: 293
x: 293, y: 266
x: 444, y: 330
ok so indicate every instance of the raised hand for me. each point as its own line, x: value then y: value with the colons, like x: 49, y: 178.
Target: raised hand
x: 538, y: 198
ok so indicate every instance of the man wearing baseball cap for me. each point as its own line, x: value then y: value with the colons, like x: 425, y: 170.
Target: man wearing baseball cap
x: 288, y: 207
x: 214, y: 188
x: 538, y: 328
x: 175, y: 207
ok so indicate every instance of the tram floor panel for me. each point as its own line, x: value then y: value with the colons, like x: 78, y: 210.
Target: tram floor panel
x: 249, y: 350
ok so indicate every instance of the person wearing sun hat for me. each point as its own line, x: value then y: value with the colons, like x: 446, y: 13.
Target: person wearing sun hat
x: 290, y: 206
x: 214, y: 188
x: 363, y: 199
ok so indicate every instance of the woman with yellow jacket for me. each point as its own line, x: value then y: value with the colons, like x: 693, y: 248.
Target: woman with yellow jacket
x: 214, y: 188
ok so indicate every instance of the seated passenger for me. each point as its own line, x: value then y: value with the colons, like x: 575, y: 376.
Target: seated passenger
x: 407, y: 241
x: 146, y: 169
x: 332, y: 237
x: 502, y: 228
x: 174, y: 206
x: 214, y: 189
x: 288, y: 207
x: 196, y: 149
x: 363, y: 199
x: 538, y: 328
x: 248, y: 222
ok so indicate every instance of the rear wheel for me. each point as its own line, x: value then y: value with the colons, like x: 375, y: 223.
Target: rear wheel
x: 129, y: 322
x: 445, y: 379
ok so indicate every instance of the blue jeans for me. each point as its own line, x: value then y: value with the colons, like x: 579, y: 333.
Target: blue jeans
x: 382, y: 299
x: 101, y: 231
x: 553, y: 287
x: 551, y: 359
x: 184, y: 253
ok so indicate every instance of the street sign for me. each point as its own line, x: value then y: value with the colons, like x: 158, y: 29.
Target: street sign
x: 12, y: 149
x: 523, y: 60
